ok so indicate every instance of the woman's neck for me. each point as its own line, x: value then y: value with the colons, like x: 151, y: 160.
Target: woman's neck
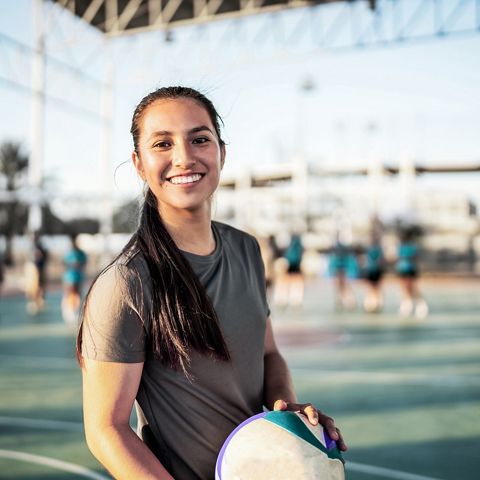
x: 191, y: 232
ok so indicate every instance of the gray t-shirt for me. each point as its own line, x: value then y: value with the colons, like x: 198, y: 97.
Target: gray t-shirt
x: 185, y: 422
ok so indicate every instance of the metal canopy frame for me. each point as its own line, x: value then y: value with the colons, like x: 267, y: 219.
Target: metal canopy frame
x: 117, y: 17
x: 390, y: 21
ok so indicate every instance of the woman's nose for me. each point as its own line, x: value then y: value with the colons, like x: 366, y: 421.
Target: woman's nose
x: 182, y: 157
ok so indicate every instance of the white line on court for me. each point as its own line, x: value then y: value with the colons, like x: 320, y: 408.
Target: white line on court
x: 41, y: 424
x: 74, y: 426
x: 385, y: 472
x: 372, y: 376
x: 51, y: 462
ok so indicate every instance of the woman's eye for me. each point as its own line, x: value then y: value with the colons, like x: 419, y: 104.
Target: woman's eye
x: 200, y: 140
x: 162, y: 145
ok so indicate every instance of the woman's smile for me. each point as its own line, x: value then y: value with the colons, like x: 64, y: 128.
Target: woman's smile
x: 185, y: 179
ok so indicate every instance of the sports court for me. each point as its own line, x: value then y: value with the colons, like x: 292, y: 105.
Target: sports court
x: 406, y: 393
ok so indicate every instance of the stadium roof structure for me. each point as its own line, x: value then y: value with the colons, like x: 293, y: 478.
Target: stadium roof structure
x: 119, y: 17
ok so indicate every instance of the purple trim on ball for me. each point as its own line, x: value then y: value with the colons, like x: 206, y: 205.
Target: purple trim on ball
x: 329, y: 443
x: 218, y: 467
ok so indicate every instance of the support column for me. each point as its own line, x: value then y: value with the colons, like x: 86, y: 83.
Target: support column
x: 37, y: 126
x: 106, y: 217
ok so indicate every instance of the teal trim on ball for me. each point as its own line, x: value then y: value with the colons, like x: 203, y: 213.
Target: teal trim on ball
x: 292, y: 423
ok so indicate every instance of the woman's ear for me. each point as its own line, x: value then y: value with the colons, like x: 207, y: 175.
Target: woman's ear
x: 138, y: 165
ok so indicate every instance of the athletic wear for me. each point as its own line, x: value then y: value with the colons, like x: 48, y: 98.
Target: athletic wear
x: 373, y: 264
x: 294, y: 255
x: 185, y: 423
x: 74, y: 261
x: 407, y: 260
x: 342, y: 261
x: 40, y: 259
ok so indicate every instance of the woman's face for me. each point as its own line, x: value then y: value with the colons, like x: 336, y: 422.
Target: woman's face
x: 180, y: 156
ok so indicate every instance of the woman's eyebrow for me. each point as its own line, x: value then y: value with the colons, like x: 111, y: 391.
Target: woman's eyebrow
x: 165, y: 133
x: 200, y: 129
x: 159, y: 133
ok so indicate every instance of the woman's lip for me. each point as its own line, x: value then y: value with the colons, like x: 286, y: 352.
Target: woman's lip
x: 185, y: 175
x: 185, y: 184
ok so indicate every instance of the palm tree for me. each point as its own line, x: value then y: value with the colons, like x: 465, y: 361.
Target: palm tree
x: 13, y: 164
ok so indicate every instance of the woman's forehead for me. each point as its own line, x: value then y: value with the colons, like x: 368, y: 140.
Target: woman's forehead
x: 174, y: 114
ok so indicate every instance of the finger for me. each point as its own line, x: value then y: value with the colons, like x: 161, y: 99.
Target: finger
x: 295, y: 407
x: 329, y: 425
x: 280, y: 405
x: 340, y: 442
x: 312, y: 414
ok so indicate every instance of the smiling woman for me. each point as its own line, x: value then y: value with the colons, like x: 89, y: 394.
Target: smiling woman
x: 179, y: 323
x: 180, y: 146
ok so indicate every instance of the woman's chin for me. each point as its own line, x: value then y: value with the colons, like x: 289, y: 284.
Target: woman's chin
x: 187, y: 206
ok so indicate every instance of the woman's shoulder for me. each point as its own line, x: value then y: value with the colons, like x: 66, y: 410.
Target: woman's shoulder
x: 234, y: 235
x: 131, y: 260
x: 125, y: 270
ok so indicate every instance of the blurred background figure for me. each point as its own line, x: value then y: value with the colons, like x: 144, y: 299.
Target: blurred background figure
x: 2, y: 274
x: 75, y: 261
x: 270, y: 253
x: 289, y: 290
x: 294, y: 256
x: 342, y: 264
x: 408, y: 271
x: 373, y: 271
x: 36, y: 276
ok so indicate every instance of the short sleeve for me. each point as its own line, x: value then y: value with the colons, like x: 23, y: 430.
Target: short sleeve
x: 112, y: 328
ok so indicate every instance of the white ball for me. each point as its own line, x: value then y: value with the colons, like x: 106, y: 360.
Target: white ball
x: 279, y: 446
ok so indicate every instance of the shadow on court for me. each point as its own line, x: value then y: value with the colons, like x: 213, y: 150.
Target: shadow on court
x: 406, y: 393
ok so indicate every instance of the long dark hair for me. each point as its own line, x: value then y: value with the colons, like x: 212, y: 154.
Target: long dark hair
x: 181, y: 316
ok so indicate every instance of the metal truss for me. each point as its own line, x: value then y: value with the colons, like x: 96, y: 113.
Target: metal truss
x: 292, y: 36
x: 340, y: 24
x: 318, y: 26
x: 279, y: 32
x: 355, y: 25
x: 117, y: 17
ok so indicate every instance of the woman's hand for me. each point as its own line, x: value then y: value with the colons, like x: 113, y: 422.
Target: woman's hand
x: 315, y: 417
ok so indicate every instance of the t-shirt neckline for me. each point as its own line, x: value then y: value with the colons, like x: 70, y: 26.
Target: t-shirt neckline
x: 210, y: 258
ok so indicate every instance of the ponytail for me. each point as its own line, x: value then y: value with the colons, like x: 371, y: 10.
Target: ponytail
x: 180, y: 317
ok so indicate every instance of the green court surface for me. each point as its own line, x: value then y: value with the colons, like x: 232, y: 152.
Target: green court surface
x: 406, y: 393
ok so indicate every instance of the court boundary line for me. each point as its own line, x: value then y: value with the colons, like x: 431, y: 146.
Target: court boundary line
x: 75, y: 426
x: 61, y: 425
x: 51, y: 462
x: 382, y: 472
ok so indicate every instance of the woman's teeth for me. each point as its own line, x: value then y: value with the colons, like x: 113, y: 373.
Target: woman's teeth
x: 186, y: 179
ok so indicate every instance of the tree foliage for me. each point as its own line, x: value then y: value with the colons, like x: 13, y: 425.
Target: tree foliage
x: 13, y: 163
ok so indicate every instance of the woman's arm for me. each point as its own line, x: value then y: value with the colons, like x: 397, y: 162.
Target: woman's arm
x: 279, y: 393
x: 109, y: 391
x: 277, y: 379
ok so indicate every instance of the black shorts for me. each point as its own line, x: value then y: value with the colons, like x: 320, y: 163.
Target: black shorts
x: 374, y: 276
x: 410, y: 273
x: 293, y: 268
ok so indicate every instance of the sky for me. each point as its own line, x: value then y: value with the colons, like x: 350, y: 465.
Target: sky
x: 419, y: 100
